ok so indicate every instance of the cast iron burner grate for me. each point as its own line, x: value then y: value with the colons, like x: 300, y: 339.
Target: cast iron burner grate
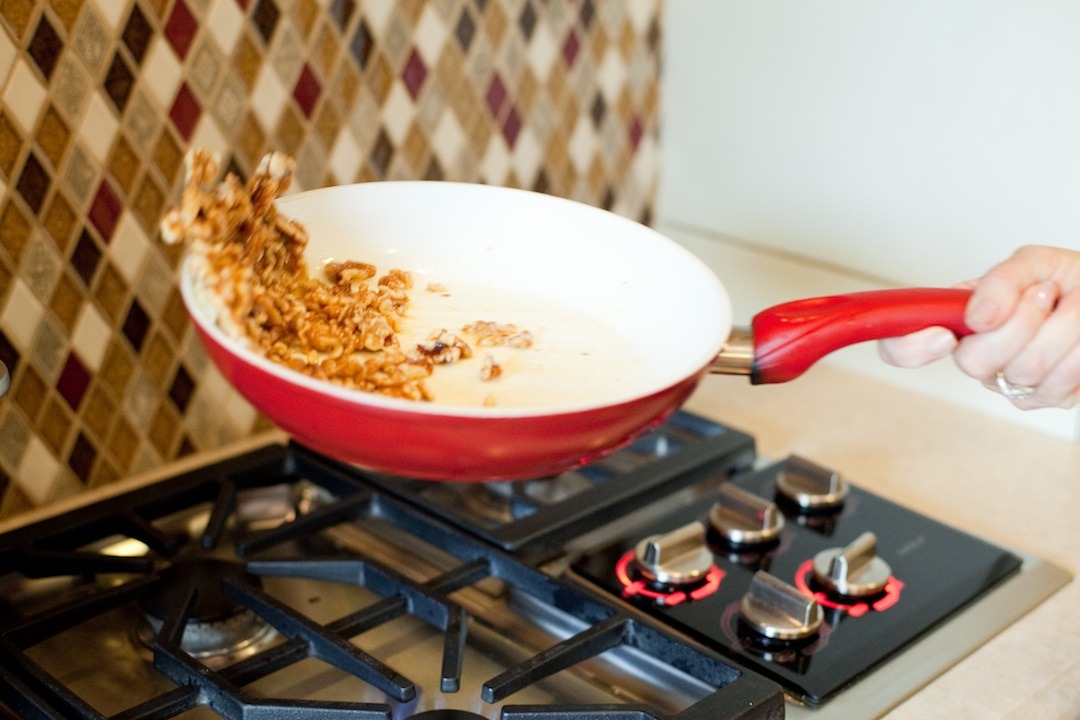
x: 63, y: 547
x: 534, y: 518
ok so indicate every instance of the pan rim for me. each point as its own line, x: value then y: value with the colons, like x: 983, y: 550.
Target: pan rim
x: 203, y: 316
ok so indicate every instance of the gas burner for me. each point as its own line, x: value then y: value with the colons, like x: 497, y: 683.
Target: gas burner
x: 492, y: 502
x: 220, y: 630
x: 535, y: 518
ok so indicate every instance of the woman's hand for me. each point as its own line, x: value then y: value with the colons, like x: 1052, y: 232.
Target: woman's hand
x: 1025, y: 314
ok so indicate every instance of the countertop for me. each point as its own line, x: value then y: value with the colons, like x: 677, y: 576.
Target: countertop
x: 986, y: 476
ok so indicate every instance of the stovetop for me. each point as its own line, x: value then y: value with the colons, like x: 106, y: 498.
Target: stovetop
x: 280, y: 584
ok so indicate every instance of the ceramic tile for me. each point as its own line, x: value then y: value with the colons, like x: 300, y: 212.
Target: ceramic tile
x: 148, y: 203
x: 141, y: 399
x: 124, y: 165
x: 105, y: 210
x: 24, y: 97
x: 98, y: 411
x: 82, y: 456
x: 305, y: 14
x: 45, y: 46
x: 66, y: 302
x: 205, y: 69
x: 33, y: 183
x: 11, y: 144
x: 21, y: 317
x: 164, y: 430
x: 49, y: 348
x: 90, y: 337
x: 40, y: 267
x: 138, y: 32
x: 119, y: 81
x: 123, y: 443
x: 18, y: 15
x: 70, y: 87
x: 265, y: 17
x: 56, y: 419
x: 59, y: 221
x: 269, y: 97
x: 85, y: 257
x: 15, y: 436
x: 225, y: 23
x: 180, y: 28
x: 110, y: 291
x: 287, y: 56
x: 136, y: 325
x: 162, y: 72
x: 248, y: 61
x: 91, y: 40
x: 326, y: 50
x: 112, y: 12
x: 53, y: 136
x: 98, y: 128
x: 362, y: 44
x: 154, y: 284
x: 118, y: 368
x: 29, y: 393
x: 80, y: 174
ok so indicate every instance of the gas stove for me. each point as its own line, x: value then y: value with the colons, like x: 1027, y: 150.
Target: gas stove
x: 681, y: 577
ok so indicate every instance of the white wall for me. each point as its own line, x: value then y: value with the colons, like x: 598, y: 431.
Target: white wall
x: 869, y: 144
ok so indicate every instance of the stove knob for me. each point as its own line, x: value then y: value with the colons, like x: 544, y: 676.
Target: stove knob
x: 679, y: 557
x: 811, y: 486
x: 743, y: 518
x: 853, y: 571
x: 779, y: 611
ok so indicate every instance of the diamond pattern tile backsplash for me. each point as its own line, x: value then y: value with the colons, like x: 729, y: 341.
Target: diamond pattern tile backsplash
x: 102, y: 98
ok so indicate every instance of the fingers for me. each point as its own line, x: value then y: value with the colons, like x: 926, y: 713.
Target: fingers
x: 1050, y: 362
x: 998, y: 292
x: 1022, y: 339
x: 919, y: 348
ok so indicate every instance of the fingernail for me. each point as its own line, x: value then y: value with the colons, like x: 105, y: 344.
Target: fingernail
x: 1046, y: 294
x: 982, y: 314
x: 942, y: 343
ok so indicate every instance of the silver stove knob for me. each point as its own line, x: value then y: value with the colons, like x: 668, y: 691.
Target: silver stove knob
x: 743, y: 518
x: 853, y: 571
x: 680, y: 557
x: 778, y: 610
x: 811, y: 486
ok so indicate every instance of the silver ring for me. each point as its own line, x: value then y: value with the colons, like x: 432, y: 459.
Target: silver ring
x: 1011, y: 391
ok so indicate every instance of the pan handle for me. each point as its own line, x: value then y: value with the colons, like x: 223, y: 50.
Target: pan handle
x: 789, y: 338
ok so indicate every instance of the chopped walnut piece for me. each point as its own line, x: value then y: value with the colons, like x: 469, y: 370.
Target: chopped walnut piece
x: 443, y: 347
x: 490, y: 369
x: 491, y: 333
x: 435, y: 287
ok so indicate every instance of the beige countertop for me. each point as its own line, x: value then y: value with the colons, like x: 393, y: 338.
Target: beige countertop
x: 983, y: 475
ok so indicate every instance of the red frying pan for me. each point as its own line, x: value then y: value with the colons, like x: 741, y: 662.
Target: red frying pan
x: 625, y: 323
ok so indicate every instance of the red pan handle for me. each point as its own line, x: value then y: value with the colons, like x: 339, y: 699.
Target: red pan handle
x: 790, y: 337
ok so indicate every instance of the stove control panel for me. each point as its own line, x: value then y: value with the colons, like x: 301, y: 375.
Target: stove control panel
x: 797, y: 573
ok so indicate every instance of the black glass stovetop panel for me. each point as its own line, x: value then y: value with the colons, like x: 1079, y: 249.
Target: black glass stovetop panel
x: 936, y: 570
x: 534, y: 518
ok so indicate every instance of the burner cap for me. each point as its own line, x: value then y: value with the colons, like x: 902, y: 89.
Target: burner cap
x: 204, y: 574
